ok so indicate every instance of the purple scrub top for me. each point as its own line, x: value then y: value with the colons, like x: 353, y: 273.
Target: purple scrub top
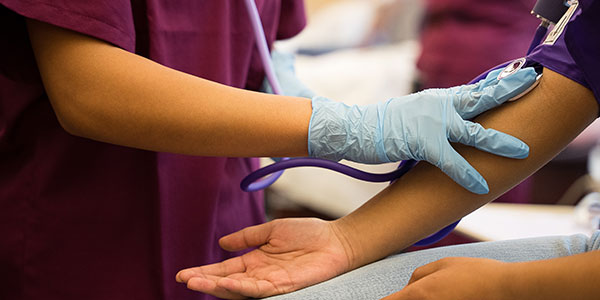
x: 81, y: 219
x: 583, y: 42
x: 576, y: 52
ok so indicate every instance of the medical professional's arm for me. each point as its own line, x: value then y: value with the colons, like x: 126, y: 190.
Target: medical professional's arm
x: 105, y: 93
x: 420, y: 203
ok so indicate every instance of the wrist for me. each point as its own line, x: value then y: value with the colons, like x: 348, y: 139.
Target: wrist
x: 346, y: 233
x: 528, y: 280
x: 327, y: 133
x: 511, y: 282
x: 338, y: 131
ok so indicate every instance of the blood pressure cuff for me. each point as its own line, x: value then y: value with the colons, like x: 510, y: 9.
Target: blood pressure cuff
x: 572, y: 49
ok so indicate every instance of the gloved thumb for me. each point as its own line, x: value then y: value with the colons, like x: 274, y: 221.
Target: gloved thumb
x: 469, y: 104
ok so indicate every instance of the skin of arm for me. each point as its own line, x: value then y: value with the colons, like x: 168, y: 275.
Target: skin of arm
x: 571, y: 277
x: 424, y: 200
x: 466, y: 278
x: 105, y: 93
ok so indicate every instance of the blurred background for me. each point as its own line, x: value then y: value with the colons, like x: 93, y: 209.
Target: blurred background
x: 366, y: 51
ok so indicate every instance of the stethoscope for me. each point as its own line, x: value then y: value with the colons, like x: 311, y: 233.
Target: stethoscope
x: 252, y: 182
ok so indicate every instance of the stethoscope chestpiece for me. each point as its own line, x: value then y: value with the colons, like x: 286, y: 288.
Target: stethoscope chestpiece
x: 512, y: 68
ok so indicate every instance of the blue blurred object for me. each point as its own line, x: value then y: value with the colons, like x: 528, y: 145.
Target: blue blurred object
x: 283, y: 64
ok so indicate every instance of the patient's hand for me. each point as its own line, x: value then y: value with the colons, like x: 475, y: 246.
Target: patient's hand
x: 292, y: 254
x: 461, y: 278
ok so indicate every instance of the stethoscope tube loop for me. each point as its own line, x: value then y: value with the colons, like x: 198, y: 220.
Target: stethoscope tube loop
x: 404, y: 167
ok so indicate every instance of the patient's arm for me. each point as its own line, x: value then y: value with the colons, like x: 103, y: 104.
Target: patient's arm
x: 425, y: 200
x: 295, y: 253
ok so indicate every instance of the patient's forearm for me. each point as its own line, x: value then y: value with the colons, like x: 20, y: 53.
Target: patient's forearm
x: 425, y: 200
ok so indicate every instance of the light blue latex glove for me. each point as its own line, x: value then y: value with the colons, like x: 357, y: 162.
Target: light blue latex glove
x: 416, y: 126
x: 420, y: 126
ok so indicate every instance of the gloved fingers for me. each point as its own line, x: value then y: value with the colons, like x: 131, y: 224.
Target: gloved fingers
x: 489, y: 140
x: 457, y: 168
x: 283, y: 63
x: 489, y: 80
x: 493, y: 92
x: 283, y: 60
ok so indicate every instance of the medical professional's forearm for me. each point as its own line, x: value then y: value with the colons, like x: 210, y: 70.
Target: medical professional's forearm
x: 425, y: 200
x: 102, y: 92
x: 571, y: 277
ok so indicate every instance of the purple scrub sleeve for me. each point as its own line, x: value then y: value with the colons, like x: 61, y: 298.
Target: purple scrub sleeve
x: 81, y: 219
x: 583, y: 42
x: 106, y: 20
x: 576, y: 52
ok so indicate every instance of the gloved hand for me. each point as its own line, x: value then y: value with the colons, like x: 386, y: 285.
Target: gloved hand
x: 419, y: 126
x: 283, y: 63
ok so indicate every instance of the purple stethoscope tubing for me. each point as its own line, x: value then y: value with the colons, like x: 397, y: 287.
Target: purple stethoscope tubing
x: 265, y: 58
x: 404, y: 167
x: 252, y: 182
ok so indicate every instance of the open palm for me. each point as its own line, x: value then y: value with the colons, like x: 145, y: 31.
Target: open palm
x: 291, y: 254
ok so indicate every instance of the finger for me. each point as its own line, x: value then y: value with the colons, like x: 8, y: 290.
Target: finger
x: 490, y: 79
x: 224, y: 268
x: 400, y: 295
x: 209, y: 286
x: 409, y: 292
x: 465, y: 88
x: 508, y: 87
x: 425, y: 270
x: 283, y: 60
x: 248, y: 287
x: 493, y: 93
x: 457, y: 168
x: 512, y: 85
x: 465, y: 97
x: 252, y: 236
x: 489, y: 140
